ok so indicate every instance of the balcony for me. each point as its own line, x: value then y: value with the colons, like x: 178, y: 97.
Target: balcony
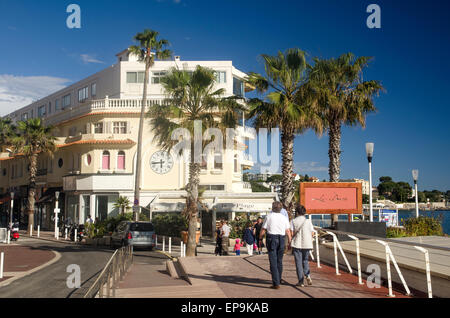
x: 247, y: 161
x: 99, y: 182
x: 101, y: 105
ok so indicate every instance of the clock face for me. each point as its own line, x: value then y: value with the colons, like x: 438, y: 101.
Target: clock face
x: 161, y: 162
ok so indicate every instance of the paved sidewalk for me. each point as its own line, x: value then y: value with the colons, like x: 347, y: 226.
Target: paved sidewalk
x: 20, y: 261
x: 242, y: 277
x: 47, y: 236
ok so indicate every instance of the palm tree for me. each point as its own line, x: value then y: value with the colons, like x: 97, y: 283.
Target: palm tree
x: 6, y: 132
x: 286, y: 107
x: 192, y: 98
x: 344, y: 98
x: 122, y: 203
x: 32, y: 139
x: 149, y: 47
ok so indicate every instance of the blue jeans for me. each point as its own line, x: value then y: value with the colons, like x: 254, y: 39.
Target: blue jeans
x: 301, y: 263
x: 275, y: 246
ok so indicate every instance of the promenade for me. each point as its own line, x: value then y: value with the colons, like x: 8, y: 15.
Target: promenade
x: 241, y: 277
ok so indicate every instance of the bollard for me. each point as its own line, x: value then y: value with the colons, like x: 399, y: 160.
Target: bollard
x: 184, y: 250
x: 8, y: 239
x: 317, y: 249
x: 358, y: 259
x: 170, y: 245
x: 65, y: 237
x: 39, y: 231
x: 181, y: 249
x: 427, y: 269
x: 164, y: 244
x: 156, y: 241
x: 2, y: 256
x: 31, y: 229
x: 75, y: 237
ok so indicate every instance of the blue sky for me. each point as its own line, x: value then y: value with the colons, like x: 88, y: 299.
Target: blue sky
x: 410, y: 130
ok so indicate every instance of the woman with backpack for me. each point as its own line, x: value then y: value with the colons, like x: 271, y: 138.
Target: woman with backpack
x: 302, y: 234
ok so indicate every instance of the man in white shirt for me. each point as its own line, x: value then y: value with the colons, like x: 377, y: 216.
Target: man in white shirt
x: 277, y: 227
x: 225, y: 233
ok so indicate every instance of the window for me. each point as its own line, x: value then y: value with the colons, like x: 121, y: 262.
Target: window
x: 65, y: 101
x: 57, y: 104
x: 24, y: 117
x: 204, y: 164
x: 60, y: 162
x: 83, y: 94
x: 98, y: 128
x: 50, y: 107
x: 41, y: 111
x: 120, y: 127
x: 94, y: 89
x: 221, y: 77
x: 135, y: 77
x: 212, y: 187
x: 218, y: 161
x: 88, y: 160
x: 105, y: 160
x: 238, y: 87
x: 121, y: 160
x: 156, y: 78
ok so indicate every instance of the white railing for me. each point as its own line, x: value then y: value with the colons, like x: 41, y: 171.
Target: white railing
x: 97, y: 105
x: 389, y: 257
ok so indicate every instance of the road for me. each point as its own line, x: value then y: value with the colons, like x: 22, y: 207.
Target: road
x: 50, y: 282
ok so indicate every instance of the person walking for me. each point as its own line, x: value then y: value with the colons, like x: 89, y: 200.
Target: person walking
x: 302, y: 244
x: 218, y: 250
x: 225, y: 234
x: 249, y: 238
x: 259, y: 242
x: 277, y: 227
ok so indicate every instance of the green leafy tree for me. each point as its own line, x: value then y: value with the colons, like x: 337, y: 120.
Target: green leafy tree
x: 123, y: 204
x: 32, y: 139
x: 148, y: 48
x: 192, y: 103
x: 344, y: 99
x: 286, y: 106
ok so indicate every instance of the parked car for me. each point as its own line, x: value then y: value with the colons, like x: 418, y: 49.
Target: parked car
x: 138, y: 234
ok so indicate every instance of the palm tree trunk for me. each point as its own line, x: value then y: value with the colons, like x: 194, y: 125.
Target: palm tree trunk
x: 137, y: 180
x: 192, y: 206
x: 334, y: 154
x: 287, y: 185
x: 32, y: 191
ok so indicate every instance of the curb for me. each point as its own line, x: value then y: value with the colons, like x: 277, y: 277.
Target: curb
x: 52, y: 261
x: 183, y: 272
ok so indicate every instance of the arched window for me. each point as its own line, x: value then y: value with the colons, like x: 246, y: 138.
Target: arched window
x: 105, y: 160
x: 121, y: 160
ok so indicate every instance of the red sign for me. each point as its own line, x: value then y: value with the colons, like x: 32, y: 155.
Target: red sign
x: 331, y: 198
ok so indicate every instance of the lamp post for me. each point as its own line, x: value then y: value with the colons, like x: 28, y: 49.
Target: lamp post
x: 369, y: 152
x: 11, y: 212
x: 415, y: 174
x: 56, y: 210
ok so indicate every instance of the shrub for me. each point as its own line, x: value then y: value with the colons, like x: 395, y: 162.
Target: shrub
x: 395, y: 232
x: 237, y: 227
x: 423, y: 226
x: 170, y: 224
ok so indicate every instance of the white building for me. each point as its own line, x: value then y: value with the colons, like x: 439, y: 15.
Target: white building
x: 97, y: 122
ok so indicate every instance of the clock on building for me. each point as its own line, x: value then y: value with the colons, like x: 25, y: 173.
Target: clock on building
x: 161, y: 162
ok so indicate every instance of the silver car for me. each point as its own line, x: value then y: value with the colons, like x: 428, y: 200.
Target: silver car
x: 138, y: 234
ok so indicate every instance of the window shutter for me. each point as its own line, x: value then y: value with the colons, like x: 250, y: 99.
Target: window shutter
x: 88, y: 128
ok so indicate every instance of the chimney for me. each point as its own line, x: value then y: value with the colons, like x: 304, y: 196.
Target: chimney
x: 177, y: 58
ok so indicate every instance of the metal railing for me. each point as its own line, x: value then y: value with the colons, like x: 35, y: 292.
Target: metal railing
x: 389, y: 256
x: 108, y: 280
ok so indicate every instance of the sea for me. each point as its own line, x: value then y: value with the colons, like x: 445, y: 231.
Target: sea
x: 443, y: 215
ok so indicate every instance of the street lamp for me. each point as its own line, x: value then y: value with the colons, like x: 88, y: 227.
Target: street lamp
x: 11, y: 212
x: 415, y: 174
x: 369, y: 152
x: 56, y: 210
